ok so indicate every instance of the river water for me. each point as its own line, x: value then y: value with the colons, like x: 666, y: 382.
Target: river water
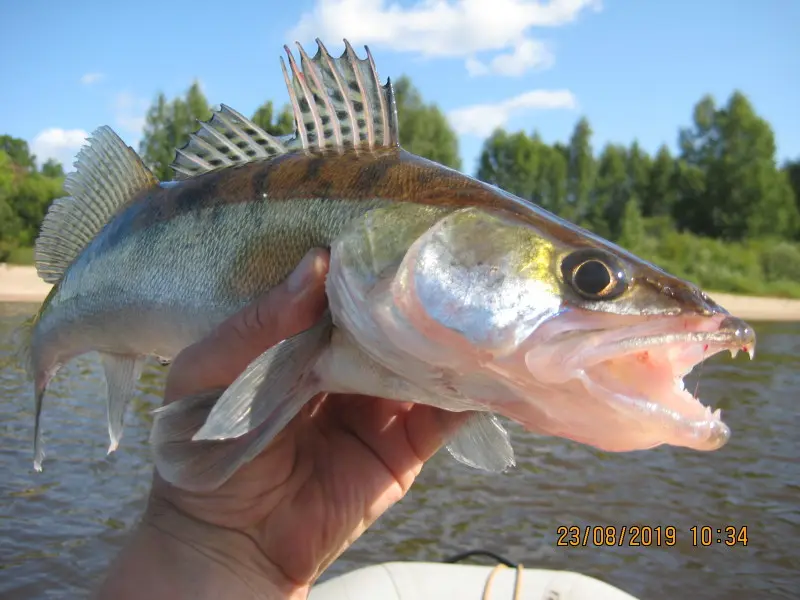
x: 60, y: 528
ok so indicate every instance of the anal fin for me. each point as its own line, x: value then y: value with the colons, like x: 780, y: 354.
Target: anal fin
x: 483, y: 443
x: 122, y: 372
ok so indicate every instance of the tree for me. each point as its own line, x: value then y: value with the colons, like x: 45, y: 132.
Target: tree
x: 745, y: 195
x: 9, y: 222
x: 580, y: 172
x: 792, y: 170
x: 197, y: 105
x: 18, y: 151
x: 526, y: 167
x: 167, y: 128
x: 511, y: 162
x: 283, y: 125
x: 611, y: 192
x: 52, y: 168
x: 661, y: 195
x: 424, y: 129
x: 639, y: 167
x: 632, y: 234
x: 155, y: 147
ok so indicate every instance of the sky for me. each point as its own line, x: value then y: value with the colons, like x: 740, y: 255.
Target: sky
x: 634, y: 68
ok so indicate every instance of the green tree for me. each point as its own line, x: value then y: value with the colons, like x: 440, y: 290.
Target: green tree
x: 424, y: 129
x: 167, y: 127
x: 639, y: 166
x: 552, y: 193
x: 9, y: 222
x: 197, y: 105
x: 745, y: 194
x: 52, y: 168
x: 792, y: 170
x: 580, y: 172
x: 18, y: 151
x: 155, y: 147
x: 511, y: 162
x: 661, y: 195
x: 31, y: 198
x: 632, y: 234
x: 611, y: 192
x: 283, y: 125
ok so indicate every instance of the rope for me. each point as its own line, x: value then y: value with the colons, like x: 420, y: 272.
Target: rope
x: 517, y: 581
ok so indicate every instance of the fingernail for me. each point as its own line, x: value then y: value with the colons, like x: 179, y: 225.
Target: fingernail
x: 303, y: 274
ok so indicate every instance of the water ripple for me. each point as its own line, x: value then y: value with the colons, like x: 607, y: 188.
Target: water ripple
x: 60, y: 528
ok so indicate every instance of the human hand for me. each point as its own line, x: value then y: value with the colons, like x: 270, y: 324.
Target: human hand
x: 284, y: 517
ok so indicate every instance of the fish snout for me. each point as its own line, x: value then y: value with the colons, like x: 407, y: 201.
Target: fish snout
x: 739, y: 331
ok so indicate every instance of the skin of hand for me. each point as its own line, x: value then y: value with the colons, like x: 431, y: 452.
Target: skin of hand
x: 284, y: 517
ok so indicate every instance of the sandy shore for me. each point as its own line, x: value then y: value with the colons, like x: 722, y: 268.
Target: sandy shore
x: 22, y: 284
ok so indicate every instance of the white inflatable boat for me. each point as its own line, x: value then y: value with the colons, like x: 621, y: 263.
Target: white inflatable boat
x: 443, y: 581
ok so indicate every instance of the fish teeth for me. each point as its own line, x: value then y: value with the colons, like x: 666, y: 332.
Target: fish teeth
x: 718, y: 414
x: 734, y: 352
x: 752, y: 352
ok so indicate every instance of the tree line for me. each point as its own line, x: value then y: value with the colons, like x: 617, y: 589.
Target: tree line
x: 720, y: 211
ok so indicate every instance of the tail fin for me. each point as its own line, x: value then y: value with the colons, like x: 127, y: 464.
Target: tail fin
x: 22, y: 339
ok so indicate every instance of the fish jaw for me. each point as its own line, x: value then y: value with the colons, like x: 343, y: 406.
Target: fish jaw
x: 620, y: 379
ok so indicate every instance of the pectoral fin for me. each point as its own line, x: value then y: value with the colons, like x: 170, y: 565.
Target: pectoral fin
x: 200, y: 441
x: 122, y: 372
x: 482, y: 442
x: 273, y: 387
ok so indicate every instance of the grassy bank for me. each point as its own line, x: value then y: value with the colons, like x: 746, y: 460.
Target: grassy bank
x: 755, y: 268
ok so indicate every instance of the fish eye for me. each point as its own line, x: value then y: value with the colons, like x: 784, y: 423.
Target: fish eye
x: 594, y: 275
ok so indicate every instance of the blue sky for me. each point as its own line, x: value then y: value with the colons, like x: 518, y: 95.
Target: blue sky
x: 633, y: 67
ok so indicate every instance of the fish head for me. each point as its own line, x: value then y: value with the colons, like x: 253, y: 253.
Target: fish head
x: 592, y: 341
x: 624, y: 338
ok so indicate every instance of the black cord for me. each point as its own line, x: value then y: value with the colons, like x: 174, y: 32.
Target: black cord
x: 461, y: 556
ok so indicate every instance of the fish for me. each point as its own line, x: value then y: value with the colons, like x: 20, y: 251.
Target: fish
x: 442, y: 289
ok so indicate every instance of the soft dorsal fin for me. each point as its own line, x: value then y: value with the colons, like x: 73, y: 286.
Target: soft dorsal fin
x: 340, y: 97
x: 108, y: 174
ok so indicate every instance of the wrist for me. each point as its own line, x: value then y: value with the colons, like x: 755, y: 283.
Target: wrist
x: 174, y: 556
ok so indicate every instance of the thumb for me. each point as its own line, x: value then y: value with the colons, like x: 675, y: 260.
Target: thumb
x: 287, y: 309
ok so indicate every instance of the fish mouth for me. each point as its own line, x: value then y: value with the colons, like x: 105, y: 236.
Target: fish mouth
x: 638, y: 369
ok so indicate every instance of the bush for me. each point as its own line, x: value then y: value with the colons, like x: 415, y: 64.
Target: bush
x: 762, y: 268
x: 20, y: 256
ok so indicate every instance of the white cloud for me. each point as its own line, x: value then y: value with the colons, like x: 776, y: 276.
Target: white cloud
x: 90, y: 78
x: 482, y: 119
x: 446, y: 28
x: 60, y: 144
x: 527, y: 54
x: 129, y: 112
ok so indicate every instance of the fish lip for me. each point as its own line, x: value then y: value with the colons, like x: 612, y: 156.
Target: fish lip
x: 709, y: 433
x: 685, y: 342
x: 713, y: 342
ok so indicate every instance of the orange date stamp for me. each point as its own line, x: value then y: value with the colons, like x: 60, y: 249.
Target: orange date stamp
x: 659, y: 536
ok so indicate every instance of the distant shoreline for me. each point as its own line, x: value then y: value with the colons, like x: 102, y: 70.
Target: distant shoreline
x: 20, y: 283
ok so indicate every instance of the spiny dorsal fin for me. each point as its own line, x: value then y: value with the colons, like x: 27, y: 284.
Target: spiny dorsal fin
x: 108, y: 174
x: 341, y: 97
x: 226, y: 139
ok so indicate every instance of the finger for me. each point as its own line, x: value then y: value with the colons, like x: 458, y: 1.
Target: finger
x: 289, y: 308
x: 429, y: 428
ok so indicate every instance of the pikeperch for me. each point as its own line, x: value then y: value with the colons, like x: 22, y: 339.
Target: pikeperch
x: 442, y: 289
